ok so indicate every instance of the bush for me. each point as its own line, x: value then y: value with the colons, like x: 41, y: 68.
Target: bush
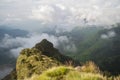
x: 75, y: 75
x: 90, y: 67
x: 56, y: 73
x: 69, y: 73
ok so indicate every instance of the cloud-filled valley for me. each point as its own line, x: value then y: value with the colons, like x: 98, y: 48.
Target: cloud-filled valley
x: 18, y: 43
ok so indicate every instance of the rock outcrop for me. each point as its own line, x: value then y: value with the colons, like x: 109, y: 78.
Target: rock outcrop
x: 38, y: 59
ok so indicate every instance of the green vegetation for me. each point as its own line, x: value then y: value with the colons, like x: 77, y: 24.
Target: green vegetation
x: 56, y: 73
x: 103, y: 51
x: 38, y: 59
x: 48, y: 49
x: 71, y: 73
x: 75, y: 75
x: 44, y: 62
x: 31, y: 61
x: 91, y: 67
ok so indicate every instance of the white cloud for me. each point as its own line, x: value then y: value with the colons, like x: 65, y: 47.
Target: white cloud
x: 93, y: 10
x: 111, y: 34
x: 104, y: 36
x: 65, y: 13
x: 71, y: 48
x: 43, y: 13
x: 108, y: 35
x: 62, y: 7
x: 17, y: 44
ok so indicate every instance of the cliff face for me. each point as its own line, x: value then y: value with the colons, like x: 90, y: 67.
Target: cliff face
x: 36, y: 60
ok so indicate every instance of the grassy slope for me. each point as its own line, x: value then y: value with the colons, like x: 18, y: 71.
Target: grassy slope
x: 31, y: 61
x: 38, y: 59
x: 67, y: 73
x: 87, y: 72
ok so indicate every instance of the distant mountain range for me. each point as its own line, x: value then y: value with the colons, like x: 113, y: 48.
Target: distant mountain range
x: 11, y: 32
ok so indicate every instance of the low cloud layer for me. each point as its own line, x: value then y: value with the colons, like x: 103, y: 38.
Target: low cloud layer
x: 18, y: 43
x: 66, y: 14
x: 108, y: 35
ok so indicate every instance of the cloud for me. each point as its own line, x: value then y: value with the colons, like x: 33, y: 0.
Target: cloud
x: 43, y: 13
x: 71, y: 48
x: 111, y: 34
x: 18, y: 43
x: 9, y: 42
x: 108, y: 35
x: 66, y: 14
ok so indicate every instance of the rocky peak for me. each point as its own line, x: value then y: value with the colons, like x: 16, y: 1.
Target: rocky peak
x: 38, y: 59
x: 43, y: 45
x: 48, y: 49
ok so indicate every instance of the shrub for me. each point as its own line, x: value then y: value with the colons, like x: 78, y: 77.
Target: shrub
x: 56, y: 73
x: 75, y: 75
x: 67, y: 73
x: 90, y: 67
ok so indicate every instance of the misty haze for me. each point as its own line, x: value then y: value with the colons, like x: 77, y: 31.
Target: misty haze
x: 72, y: 35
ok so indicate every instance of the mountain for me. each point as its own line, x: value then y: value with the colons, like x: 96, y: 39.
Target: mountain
x: 38, y: 59
x: 48, y: 49
x: 95, y: 43
x: 92, y: 43
x: 99, y: 45
x: 12, y: 32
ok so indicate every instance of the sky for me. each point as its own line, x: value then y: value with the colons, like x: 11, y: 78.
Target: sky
x: 65, y: 14
x: 60, y: 15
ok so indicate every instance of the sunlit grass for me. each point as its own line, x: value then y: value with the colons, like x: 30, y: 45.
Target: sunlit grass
x: 56, y: 73
x: 75, y: 75
x: 67, y: 73
x: 89, y: 71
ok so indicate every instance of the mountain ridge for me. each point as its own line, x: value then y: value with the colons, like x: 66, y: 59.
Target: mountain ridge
x: 38, y: 59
